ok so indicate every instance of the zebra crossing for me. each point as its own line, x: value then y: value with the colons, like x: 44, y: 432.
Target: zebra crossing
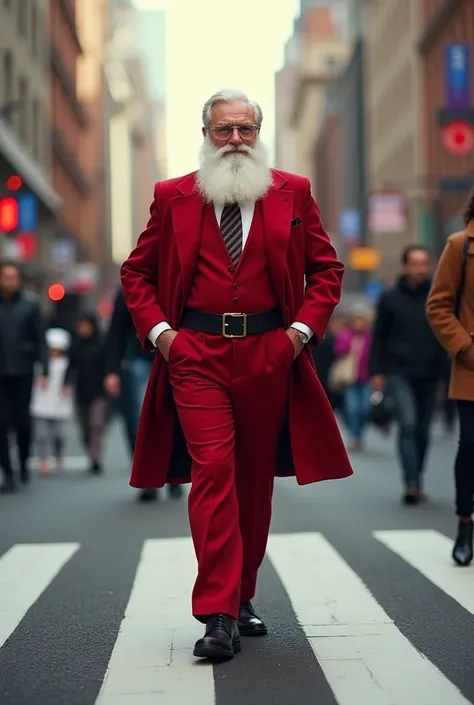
x: 364, y: 657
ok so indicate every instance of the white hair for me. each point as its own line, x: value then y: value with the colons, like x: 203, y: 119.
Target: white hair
x: 229, y: 95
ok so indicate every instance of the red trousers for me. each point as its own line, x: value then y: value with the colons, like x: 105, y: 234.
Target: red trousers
x: 231, y: 396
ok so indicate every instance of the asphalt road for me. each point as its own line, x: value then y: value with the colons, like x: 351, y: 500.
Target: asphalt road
x: 362, y: 601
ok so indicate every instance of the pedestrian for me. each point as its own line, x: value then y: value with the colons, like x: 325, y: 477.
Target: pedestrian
x: 22, y: 345
x: 51, y: 405
x: 85, y: 375
x: 352, y: 350
x: 407, y: 363
x: 324, y: 358
x: 128, y: 366
x: 217, y: 284
x: 450, y: 309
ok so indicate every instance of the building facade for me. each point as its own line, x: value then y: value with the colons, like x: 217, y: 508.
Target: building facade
x: 131, y: 145
x: 393, y: 99
x: 447, y: 27
x: 25, y: 137
x: 322, y: 54
x: 327, y: 171
x: 69, y: 121
x: 92, y: 23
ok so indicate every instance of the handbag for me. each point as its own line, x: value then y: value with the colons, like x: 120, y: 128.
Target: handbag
x: 344, y: 371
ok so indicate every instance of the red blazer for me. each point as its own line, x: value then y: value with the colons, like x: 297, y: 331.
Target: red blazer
x: 156, y: 280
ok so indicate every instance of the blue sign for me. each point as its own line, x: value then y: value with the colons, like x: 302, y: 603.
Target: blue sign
x: 373, y: 289
x: 457, y: 75
x: 27, y: 212
x: 349, y: 223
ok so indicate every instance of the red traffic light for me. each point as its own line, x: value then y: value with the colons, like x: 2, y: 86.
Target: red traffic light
x: 14, y: 183
x: 56, y: 292
x: 8, y: 214
x: 458, y: 137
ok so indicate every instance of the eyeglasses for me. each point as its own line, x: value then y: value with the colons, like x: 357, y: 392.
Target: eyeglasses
x: 225, y: 132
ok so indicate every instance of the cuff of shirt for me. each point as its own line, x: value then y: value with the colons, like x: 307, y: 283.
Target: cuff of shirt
x: 303, y: 329
x: 157, y: 330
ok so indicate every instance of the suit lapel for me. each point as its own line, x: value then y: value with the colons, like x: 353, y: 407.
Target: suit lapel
x: 277, y: 213
x: 186, y: 213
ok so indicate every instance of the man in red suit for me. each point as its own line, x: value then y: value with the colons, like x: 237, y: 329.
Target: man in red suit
x: 231, y: 279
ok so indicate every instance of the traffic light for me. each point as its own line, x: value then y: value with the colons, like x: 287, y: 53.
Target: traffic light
x: 56, y: 292
x: 9, y: 214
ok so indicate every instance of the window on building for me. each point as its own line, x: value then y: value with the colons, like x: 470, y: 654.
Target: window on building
x: 34, y: 28
x: 23, y: 109
x: 22, y: 17
x: 7, y: 81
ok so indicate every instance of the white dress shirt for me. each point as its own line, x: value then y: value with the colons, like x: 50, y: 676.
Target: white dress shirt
x: 246, y: 211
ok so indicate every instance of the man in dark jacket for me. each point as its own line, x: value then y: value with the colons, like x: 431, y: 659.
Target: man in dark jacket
x: 128, y: 367
x: 22, y: 345
x: 407, y: 361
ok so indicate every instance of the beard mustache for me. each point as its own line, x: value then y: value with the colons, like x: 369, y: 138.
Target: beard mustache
x: 242, y: 177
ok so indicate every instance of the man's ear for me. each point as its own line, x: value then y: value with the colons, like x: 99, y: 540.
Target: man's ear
x: 204, y: 132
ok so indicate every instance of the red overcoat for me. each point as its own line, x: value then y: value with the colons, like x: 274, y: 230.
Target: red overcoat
x: 156, y: 280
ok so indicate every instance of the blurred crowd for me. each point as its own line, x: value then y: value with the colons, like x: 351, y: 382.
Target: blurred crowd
x: 50, y: 376
x: 388, y: 365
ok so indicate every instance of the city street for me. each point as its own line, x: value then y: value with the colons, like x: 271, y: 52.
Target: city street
x: 363, y: 604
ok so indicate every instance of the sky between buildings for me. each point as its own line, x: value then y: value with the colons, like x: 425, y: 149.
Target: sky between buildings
x: 214, y: 44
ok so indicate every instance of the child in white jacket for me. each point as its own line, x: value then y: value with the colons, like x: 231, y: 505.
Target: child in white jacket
x: 52, y: 405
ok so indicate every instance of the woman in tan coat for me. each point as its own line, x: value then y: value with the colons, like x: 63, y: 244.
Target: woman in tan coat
x: 450, y: 310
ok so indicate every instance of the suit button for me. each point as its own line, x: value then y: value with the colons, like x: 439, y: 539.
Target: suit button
x: 231, y: 267
x: 235, y: 285
x: 235, y: 300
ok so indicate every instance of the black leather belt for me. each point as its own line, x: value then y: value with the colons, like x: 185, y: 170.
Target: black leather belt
x: 232, y: 325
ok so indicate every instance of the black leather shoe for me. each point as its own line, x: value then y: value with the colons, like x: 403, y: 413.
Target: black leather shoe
x: 148, y: 495
x: 463, y: 550
x: 249, y: 624
x: 221, y: 639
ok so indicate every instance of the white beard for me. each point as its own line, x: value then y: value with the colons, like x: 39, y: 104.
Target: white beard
x: 240, y: 178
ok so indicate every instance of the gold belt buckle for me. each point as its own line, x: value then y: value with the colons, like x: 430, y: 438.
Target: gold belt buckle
x: 225, y: 324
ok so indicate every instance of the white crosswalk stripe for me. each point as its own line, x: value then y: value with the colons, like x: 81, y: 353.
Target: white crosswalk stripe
x: 361, y: 651
x: 429, y: 553
x: 26, y: 570
x: 153, y: 651
x: 365, y: 658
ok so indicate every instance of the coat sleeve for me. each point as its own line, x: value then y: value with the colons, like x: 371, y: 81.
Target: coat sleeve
x: 139, y: 275
x: 323, y: 271
x: 441, y: 302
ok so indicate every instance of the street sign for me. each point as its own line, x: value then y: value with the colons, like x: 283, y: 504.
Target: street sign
x: 349, y: 224
x: 373, y: 289
x: 27, y: 212
x: 364, y: 258
x: 457, y: 75
x: 387, y: 212
x: 458, y: 137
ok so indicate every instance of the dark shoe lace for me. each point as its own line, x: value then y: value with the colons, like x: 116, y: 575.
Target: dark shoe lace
x: 219, y: 622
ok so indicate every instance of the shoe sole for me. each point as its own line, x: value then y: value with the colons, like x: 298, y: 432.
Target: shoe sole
x: 213, y: 652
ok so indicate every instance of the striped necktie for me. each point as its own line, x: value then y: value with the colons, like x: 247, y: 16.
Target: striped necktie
x: 231, y: 229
